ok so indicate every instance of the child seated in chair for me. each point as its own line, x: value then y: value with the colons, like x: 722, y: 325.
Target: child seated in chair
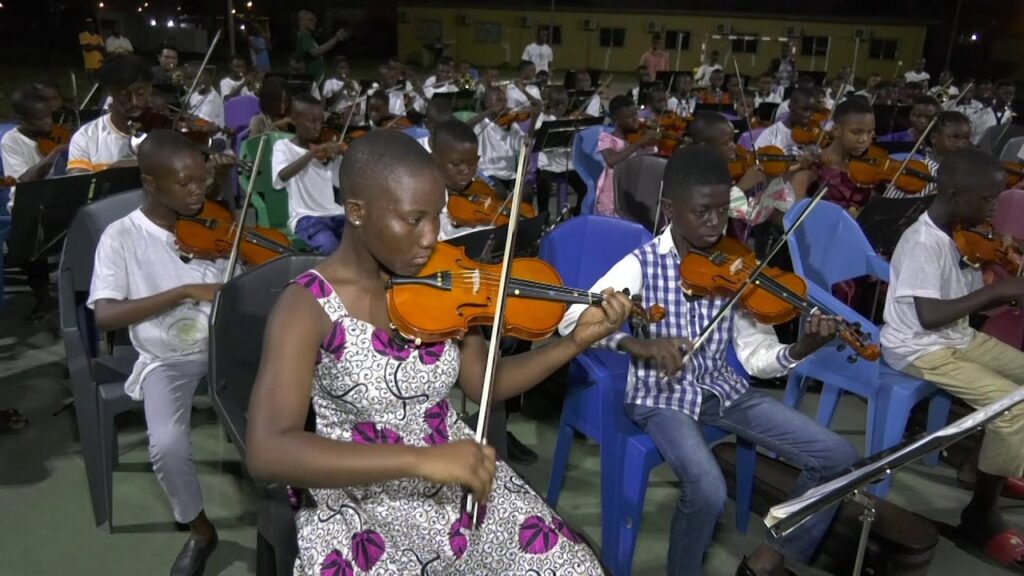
x: 672, y: 399
x: 309, y: 172
x: 141, y: 282
x: 615, y: 148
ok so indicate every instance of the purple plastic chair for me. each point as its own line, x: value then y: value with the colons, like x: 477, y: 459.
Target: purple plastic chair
x: 747, y: 139
x: 238, y: 111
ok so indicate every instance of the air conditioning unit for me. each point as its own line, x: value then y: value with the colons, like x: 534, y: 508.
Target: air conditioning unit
x: 465, y: 19
x: 653, y: 26
x: 526, y: 22
x: 723, y: 29
x: 403, y: 17
x: 862, y: 33
x: 590, y: 24
x: 792, y: 32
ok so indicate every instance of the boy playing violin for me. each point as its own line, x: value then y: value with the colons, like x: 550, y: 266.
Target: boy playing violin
x: 671, y: 401
x: 454, y: 147
x: 23, y: 160
x: 239, y: 82
x: 926, y: 334
x: 205, y: 106
x: 952, y: 132
x: 683, y: 100
x: 141, y: 282
x: 592, y: 107
x: 309, y: 171
x: 780, y: 134
x: 499, y: 144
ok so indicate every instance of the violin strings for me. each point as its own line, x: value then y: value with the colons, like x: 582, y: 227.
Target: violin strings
x: 489, y: 279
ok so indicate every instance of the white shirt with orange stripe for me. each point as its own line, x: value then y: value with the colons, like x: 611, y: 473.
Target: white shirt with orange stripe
x: 97, y: 145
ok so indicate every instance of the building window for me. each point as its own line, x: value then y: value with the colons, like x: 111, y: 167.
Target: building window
x: 814, y: 45
x: 613, y: 37
x: 488, y: 33
x: 554, y: 34
x: 745, y: 45
x: 883, y: 49
x: 677, y: 40
x: 428, y: 30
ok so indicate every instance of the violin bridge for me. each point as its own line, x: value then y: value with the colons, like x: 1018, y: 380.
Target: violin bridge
x: 736, y: 266
x: 476, y: 282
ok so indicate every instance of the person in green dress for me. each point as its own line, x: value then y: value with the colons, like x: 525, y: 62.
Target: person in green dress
x: 308, y: 50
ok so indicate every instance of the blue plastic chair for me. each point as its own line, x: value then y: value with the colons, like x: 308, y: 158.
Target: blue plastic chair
x: 588, y: 164
x: 582, y: 250
x: 828, y: 248
x: 417, y: 132
x: 5, y: 217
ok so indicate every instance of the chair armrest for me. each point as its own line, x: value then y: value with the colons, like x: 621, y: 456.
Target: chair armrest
x: 878, y: 266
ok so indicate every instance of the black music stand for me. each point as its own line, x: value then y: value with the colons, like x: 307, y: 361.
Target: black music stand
x: 298, y: 83
x: 43, y: 209
x: 579, y: 99
x: 642, y: 94
x: 884, y: 220
x: 765, y: 111
x: 720, y: 108
x: 461, y: 101
x: 569, y: 80
x: 487, y: 245
x: 891, y: 118
x: 556, y: 134
x: 668, y: 77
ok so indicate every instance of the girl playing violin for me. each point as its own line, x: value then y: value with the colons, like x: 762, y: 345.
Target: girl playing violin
x: 386, y: 467
x: 275, y: 102
x: 715, y: 93
x: 671, y: 401
x: 615, y: 149
x: 683, y: 100
x: 309, y: 171
x: 921, y: 113
x: 140, y: 282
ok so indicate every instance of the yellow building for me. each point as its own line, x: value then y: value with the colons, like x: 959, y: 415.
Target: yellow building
x: 614, y: 41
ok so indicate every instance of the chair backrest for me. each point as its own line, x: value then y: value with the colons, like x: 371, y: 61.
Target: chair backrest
x: 995, y: 138
x: 584, y: 248
x: 271, y: 203
x: 829, y: 247
x: 588, y: 163
x: 1011, y: 152
x: 417, y: 132
x: 239, y: 111
x: 1009, y: 217
x: 237, y: 323
x: 5, y: 192
x: 748, y: 138
x: 638, y: 189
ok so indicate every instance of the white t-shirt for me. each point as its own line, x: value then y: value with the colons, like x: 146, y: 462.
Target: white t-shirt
x: 498, y: 149
x: 19, y: 154
x: 515, y: 99
x: 771, y: 98
x: 684, y: 107
x: 541, y: 56
x: 703, y: 75
x: 136, y: 259
x: 311, y: 191
x: 120, y: 45
x: 913, y: 76
x: 926, y: 264
x: 228, y: 85
x: 554, y: 160
x: 450, y: 229
x: 334, y: 86
x: 593, y: 107
x: 431, y: 86
x: 780, y: 135
x: 782, y: 110
x: 97, y: 145
x: 209, y: 107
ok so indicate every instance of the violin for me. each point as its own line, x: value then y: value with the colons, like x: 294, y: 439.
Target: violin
x: 869, y: 171
x: 1014, y: 173
x: 507, y: 119
x: 152, y: 120
x: 209, y: 236
x: 774, y: 297
x: 462, y: 294
x: 58, y: 136
x: 394, y: 122
x: 479, y: 205
x: 8, y: 181
x: 809, y: 133
x: 981, y: 245
x: 773, y: 160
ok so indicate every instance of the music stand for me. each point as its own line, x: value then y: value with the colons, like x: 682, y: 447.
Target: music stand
x: 43, y: 209
x: 557, y: 134
x: 579, y: 99
x: 884, y: 220
x: 486, y: 245
x: 726, y: 109
x: 298, y: 83
x: 569, y: 80
x: 642, y: 94
x: 765, y: 111
x: 668, y: 77
x: 460, y: 101
x: 889, y: 118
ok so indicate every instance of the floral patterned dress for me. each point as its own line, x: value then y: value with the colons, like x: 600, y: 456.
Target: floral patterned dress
x: 370, y: 388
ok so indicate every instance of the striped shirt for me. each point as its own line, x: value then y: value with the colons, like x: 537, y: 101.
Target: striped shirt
x: 653, y: 271
x: 929, y: 189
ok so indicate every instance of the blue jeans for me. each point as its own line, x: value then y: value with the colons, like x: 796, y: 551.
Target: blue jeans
x: 817, y: 451
x: 322, y: 233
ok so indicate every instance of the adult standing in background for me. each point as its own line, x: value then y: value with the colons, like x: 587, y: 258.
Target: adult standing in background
x: 783, y: 68
x: 540, y: 52
x: 917, y: 74
x: 703, y: 75
x: 307, y: 50
x: 93, y: 49
x: 655, y: 59
x: 259, y: 49
x: 118, y: 45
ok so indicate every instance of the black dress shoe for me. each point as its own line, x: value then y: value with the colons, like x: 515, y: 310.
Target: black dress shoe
x: 744, y: 569
x: 520, y: 453
x: 191, y: 561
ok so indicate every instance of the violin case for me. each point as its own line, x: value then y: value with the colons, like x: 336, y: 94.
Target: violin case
x: 901, y: 542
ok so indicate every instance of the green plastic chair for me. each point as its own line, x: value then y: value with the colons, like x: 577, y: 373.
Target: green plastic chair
x: 271, y: 204
x: 464, y: 115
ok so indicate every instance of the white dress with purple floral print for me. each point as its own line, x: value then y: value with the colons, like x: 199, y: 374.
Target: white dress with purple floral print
x: 370, y: 388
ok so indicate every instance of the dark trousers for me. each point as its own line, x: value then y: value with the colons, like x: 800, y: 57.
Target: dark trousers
x: 547, y: 186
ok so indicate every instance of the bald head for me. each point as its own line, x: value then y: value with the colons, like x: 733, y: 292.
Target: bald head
x: 376, y: 164
x: 970, y: 171
x: 160, y: 146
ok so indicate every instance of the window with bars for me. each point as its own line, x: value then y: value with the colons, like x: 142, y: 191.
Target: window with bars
x: 814, y: 45
x: 613, y: 37
x: 744, y: 45
x: 677, y: 40
x: 884, y: 48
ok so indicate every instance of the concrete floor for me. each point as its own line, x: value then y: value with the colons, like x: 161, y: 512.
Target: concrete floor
x: 47, y: 525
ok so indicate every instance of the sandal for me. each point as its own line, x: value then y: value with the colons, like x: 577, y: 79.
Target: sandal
x: 1005, y: 549
x: 11, y: 421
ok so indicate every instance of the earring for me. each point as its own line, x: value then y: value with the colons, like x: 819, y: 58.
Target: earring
x: 356, y: 222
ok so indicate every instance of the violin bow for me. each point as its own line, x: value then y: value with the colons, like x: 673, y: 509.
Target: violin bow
x: 195, y: 81
x: 920, y: 140
x: 494, y: 346
x: 746, y: 109
x: 831, y: 114
x: 240, y: 224
x: 753, y: 277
